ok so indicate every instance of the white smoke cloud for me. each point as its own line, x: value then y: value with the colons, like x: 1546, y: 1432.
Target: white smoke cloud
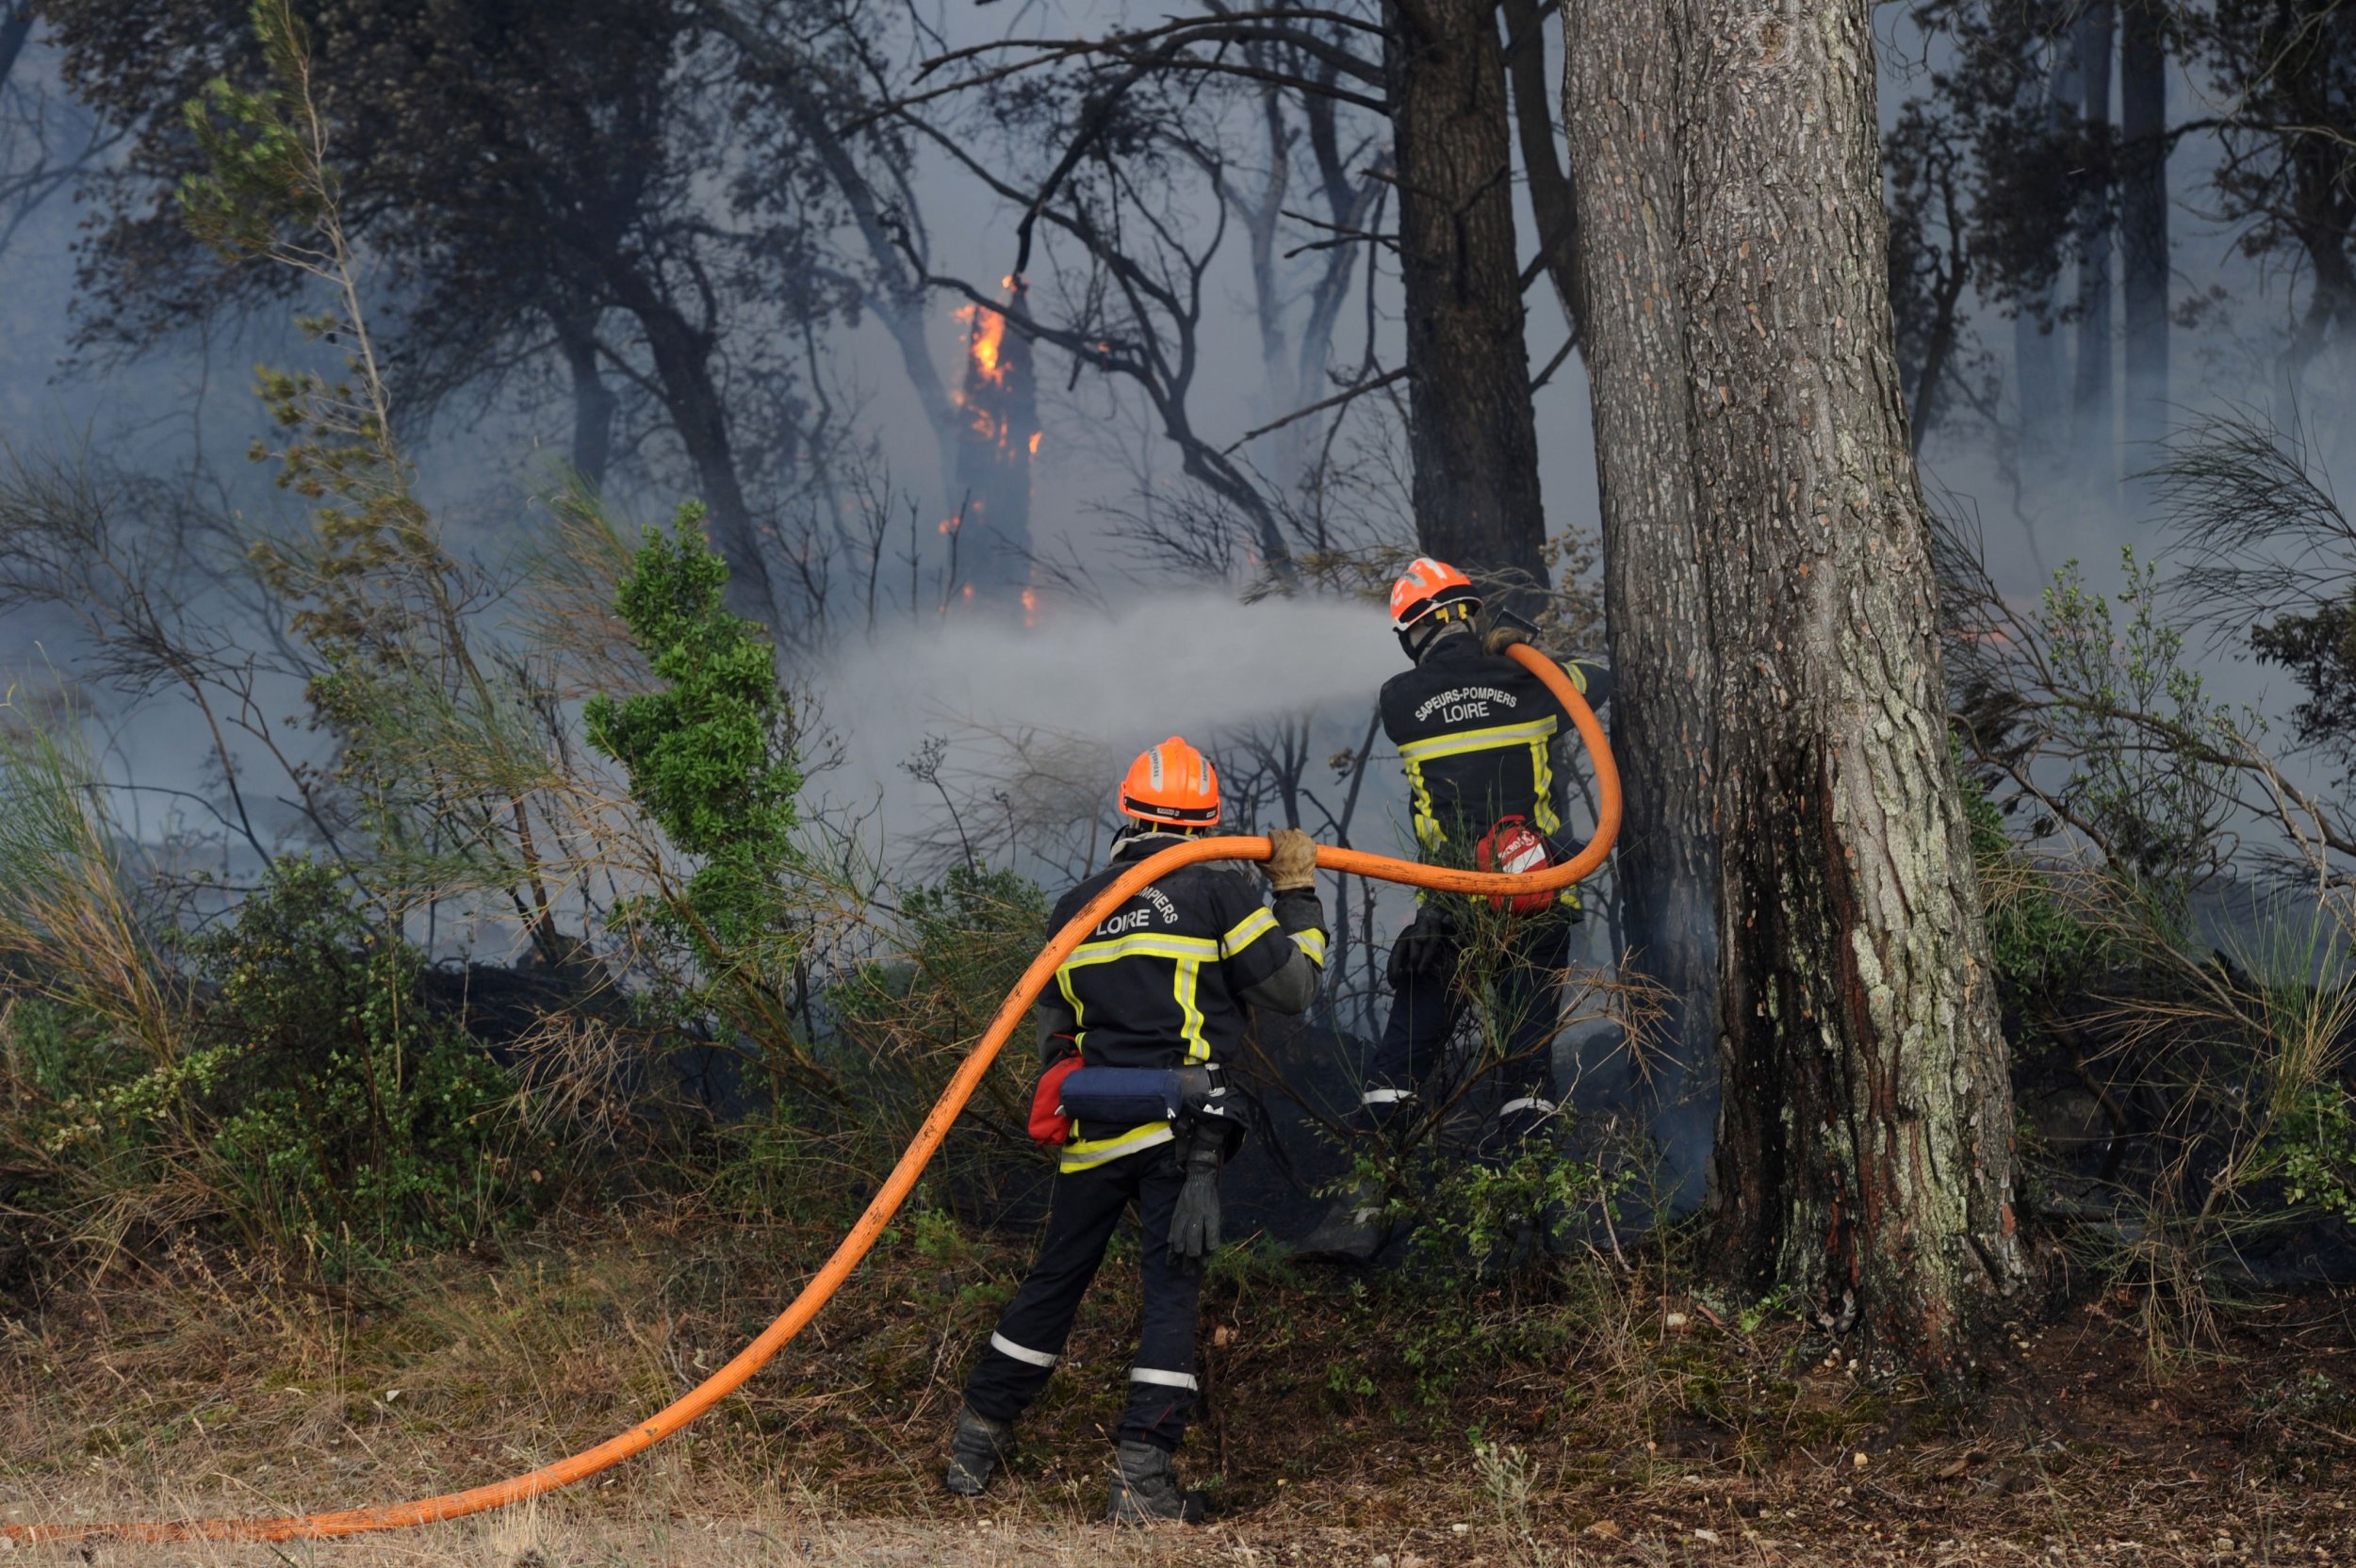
x: 1097, y: 686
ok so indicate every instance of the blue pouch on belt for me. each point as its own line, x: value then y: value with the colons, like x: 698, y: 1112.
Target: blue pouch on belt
x: 1124, y: 1095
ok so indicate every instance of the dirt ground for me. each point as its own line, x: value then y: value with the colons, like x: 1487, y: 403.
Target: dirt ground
x: 1586, y: 1415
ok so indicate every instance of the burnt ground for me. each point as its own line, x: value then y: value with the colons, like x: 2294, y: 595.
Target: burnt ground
x: 1578, y: 1412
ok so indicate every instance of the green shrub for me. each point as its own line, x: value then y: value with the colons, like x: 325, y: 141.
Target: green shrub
x: 709, y: 754
x: 319, y: 1111
x: 349, y: 1123
x: 2038, y: 942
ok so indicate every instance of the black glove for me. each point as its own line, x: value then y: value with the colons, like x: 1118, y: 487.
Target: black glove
x: 1194, y: 1223
x: 1426, y: 951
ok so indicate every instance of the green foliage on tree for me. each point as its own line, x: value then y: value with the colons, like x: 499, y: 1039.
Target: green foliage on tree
x: 709, y: 754
x: 2038, y: 942
x: 2149, y: 752
x: 2318, y: 648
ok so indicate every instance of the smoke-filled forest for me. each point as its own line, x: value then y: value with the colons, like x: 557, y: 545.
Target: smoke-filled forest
x: 1402, y: 783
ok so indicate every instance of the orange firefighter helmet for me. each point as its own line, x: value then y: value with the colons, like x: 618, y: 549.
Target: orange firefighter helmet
x: 1431, y: 585
x: 1172, y: 783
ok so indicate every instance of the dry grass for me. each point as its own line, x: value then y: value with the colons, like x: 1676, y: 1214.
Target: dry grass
x: 1619, y: 1439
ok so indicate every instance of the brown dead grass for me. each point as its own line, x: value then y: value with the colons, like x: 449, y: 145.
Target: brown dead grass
x: 207, y: 1390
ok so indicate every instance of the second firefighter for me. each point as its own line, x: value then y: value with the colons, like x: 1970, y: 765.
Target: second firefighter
x: 1133, y: 1037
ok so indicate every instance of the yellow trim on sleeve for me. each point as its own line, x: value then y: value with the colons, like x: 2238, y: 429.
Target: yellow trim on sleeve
x: 1246, y: 931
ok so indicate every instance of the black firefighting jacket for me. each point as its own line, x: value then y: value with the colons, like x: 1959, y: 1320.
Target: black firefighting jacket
x: 1164, y: 980
x: 1477, y: 733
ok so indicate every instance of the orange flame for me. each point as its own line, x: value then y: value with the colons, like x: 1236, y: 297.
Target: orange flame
x: 1035, y: 435
x: 1030, y: 608
x: 986, y: 332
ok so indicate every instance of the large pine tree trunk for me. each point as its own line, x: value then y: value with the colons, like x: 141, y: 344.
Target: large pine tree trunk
x: 1865, y: 1149
x: 2143, y: 223
x: 1471, y: 435
x: 1619, y: 91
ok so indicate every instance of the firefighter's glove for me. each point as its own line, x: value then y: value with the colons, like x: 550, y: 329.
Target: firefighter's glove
x: 1194, y: 1223
x: 1292, y: 862
x: 1500, y: 637
x: 1425, y: 951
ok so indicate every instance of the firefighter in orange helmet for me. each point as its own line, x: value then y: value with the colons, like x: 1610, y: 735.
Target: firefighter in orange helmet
x: 1133, y: 1036
x: 1477, y: 735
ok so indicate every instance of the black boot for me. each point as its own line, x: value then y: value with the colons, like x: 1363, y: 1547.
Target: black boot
x: 1145, y: 1492
x: 975, y: 1450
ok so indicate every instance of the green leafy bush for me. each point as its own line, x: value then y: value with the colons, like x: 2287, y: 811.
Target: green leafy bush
x: 2038, y: 942
x: 709, y: 754
x: 318, y: 1109
x: 349, y: 1123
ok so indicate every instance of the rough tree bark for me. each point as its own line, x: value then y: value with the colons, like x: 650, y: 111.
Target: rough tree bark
x: 1865, y: 1151
x: 1471, y: 435
x: 1619, y: 91
x: 2143, y: 222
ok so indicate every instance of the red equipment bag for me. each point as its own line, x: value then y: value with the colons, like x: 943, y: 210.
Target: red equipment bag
x: 1513, y: 846
x: 1049, y: 1127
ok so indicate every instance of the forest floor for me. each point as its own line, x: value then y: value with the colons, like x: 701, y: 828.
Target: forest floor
x: 1584, y: 1415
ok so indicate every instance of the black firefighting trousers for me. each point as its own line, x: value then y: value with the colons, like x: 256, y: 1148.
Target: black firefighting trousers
x: 1082, y: 1211
x: 1523, y: 1002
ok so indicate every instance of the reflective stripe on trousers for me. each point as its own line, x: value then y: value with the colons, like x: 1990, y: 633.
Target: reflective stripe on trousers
x: 1083, y: 1210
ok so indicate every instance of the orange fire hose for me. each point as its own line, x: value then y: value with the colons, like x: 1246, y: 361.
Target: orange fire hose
x: 897, y: 1187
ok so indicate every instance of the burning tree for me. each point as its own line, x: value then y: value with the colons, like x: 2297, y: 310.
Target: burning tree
x: 999, y: 437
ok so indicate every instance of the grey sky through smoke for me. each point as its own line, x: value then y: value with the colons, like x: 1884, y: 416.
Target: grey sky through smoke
x: 1157, y: 661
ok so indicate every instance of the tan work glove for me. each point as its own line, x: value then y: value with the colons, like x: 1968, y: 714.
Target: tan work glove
x: 1499, y: 639
x: 1293, y: 862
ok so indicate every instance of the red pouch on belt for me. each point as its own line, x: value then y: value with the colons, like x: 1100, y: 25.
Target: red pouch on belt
x: 1049, y: 1127
x: 1514, y: 847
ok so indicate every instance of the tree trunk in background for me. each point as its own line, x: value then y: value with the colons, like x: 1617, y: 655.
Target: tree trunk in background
x: 1552, y: 202
x: 1865, y: 1152
x: 1471, y: 435
x: 2095, y: 423
x: 594, y: 403
x: 16, y: 25
x: 1619, y: 92
x: 2143, y: 223
x: 2036, y: 326
x: 682, y: 366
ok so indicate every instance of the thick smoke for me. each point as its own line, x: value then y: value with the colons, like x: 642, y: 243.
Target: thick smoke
x: 1098, y: 686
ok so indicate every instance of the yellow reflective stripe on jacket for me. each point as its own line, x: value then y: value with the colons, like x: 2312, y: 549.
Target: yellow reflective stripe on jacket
x: 1152, y: 945
x: 1312, y: 944
x: 1184, y: 986
x: 1089, y: 1152
x: 1247, y: 931
x: 1537, y: 734
x: 1478, y: 740
x: 1186, y: 952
